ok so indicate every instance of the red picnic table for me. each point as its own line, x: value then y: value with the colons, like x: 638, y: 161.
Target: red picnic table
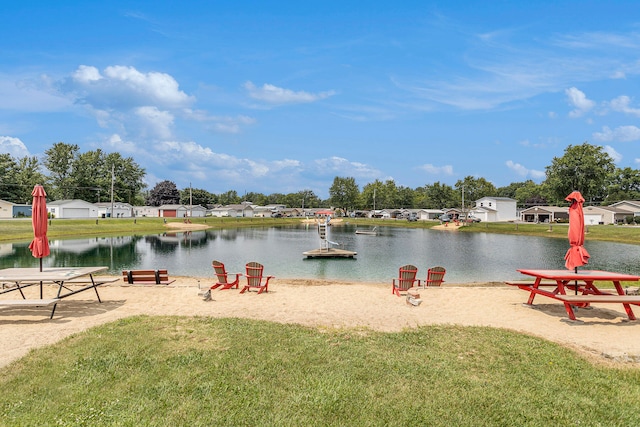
x: 582, y: 283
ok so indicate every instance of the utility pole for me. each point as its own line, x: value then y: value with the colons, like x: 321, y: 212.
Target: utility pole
x: 374, y: 201
x: 113, y: 179
x: 190, y: 202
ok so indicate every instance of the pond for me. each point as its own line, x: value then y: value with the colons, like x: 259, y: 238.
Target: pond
x: 468, y: 257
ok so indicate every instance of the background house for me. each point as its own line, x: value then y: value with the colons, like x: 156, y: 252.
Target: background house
x: 146, y: 211
x: 544, y: 214
x: 72, y: 209
x: 196, y: 211
x: 115, y: 210
x: 494, y: 209
x: 603, y: 215
x: 233, y: 211
x: 6, y: 209
x: 172, y: 211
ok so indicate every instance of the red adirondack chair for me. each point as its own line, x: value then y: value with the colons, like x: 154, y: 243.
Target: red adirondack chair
x: 406, y: 279
x: 223, y: 277
x: 255, y: 278
x: 435, y: 276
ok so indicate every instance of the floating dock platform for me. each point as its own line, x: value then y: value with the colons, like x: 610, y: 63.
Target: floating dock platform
x: 329, y: 253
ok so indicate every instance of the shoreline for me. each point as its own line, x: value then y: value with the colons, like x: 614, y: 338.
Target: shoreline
x: 601, y: 333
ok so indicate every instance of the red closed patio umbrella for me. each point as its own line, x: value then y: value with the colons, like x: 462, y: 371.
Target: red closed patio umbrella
x: 40, y: 244
x: 577, y: 255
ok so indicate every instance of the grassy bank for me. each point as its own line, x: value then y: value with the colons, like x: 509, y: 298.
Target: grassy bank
x: 610, y: 233
x: 167, y: 371
x: 17, y: 230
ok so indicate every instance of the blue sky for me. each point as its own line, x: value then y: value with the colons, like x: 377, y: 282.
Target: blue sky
x: 279, y: 97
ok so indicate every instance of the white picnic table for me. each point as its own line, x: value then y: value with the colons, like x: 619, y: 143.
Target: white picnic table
x: 21, y: 278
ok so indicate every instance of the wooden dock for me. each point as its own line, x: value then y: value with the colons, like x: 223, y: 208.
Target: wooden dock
x: 329, y: 253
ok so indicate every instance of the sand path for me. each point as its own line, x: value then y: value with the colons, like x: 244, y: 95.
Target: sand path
x: 602, y: 332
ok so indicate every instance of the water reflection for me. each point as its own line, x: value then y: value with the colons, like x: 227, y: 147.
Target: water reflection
x: 468, y: 257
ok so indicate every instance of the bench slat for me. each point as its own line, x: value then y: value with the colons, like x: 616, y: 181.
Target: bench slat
x: 531, y: 283
x: 624, y: 299
x: 28, y: 302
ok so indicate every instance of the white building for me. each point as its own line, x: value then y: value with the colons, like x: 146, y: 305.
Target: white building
x: 117, y: 210
x: 495, y: 209
x: 72, y: 209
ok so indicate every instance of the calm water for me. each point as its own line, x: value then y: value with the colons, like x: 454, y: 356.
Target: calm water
x: 468, y: 257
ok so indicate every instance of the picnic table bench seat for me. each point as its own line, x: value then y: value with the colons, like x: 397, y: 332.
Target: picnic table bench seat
x: 597, y: 298
x: 31, y: 303
x: 146, y: 277
x: 520, y: 283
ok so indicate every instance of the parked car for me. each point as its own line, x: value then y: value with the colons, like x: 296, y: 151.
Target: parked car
x: 472, y: 218
x: 412, y: 217
x: 445, y: 218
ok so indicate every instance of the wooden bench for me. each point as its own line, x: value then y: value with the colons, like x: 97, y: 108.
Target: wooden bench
x: 146, y: 277
x: 31, y: 303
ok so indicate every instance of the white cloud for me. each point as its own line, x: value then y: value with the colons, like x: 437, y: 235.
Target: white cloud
x: 523, y: 171
x: 158, y: 123
x: 437, y: 170
x: 13, y: 146
x: 30, y: 94
x: 617, y: 157
x: 579, y: 100
x: 224, y: 124
x: 192, y: 158
x: 119, y: 145
x: 622, y: 105
x: 341, y: 166
x: 621, y: 133
x: 277, y: 95
x: 124, y: 87
x: 86, y: 74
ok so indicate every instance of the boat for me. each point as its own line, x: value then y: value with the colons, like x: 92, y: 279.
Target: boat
x: 372, y: 232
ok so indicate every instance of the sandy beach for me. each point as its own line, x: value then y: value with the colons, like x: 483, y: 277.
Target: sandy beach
x: 603, y: 333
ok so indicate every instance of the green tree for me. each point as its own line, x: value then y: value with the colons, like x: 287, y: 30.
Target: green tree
x: 256, y: 198
x: 309, y: 199
x: 585, y: 168
x: 196, y: 196
x: 59, y: 161
x: 624, y: 184
x: 28, y: 175
x: 9, y: 187
x: 164, y: 193
x: 128, y: 178
x: 439, y: 196
x: 474, y: 189
x: 527, y: 193
x: 344, y: 193
x: 229, y: 198
x: 89, y: 177
x: 405, y: 197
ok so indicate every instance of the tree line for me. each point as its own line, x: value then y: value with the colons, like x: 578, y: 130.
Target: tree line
x: 95, y: 175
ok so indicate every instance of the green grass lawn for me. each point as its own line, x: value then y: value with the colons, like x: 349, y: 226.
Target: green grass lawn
x: 182, y: 371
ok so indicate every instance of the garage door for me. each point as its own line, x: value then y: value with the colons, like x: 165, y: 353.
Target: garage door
x: 75, y: 213
x: 592, y: 219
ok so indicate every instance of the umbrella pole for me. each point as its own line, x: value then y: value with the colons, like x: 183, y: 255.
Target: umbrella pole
x: 40, y: 282
x: 575, y: 269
